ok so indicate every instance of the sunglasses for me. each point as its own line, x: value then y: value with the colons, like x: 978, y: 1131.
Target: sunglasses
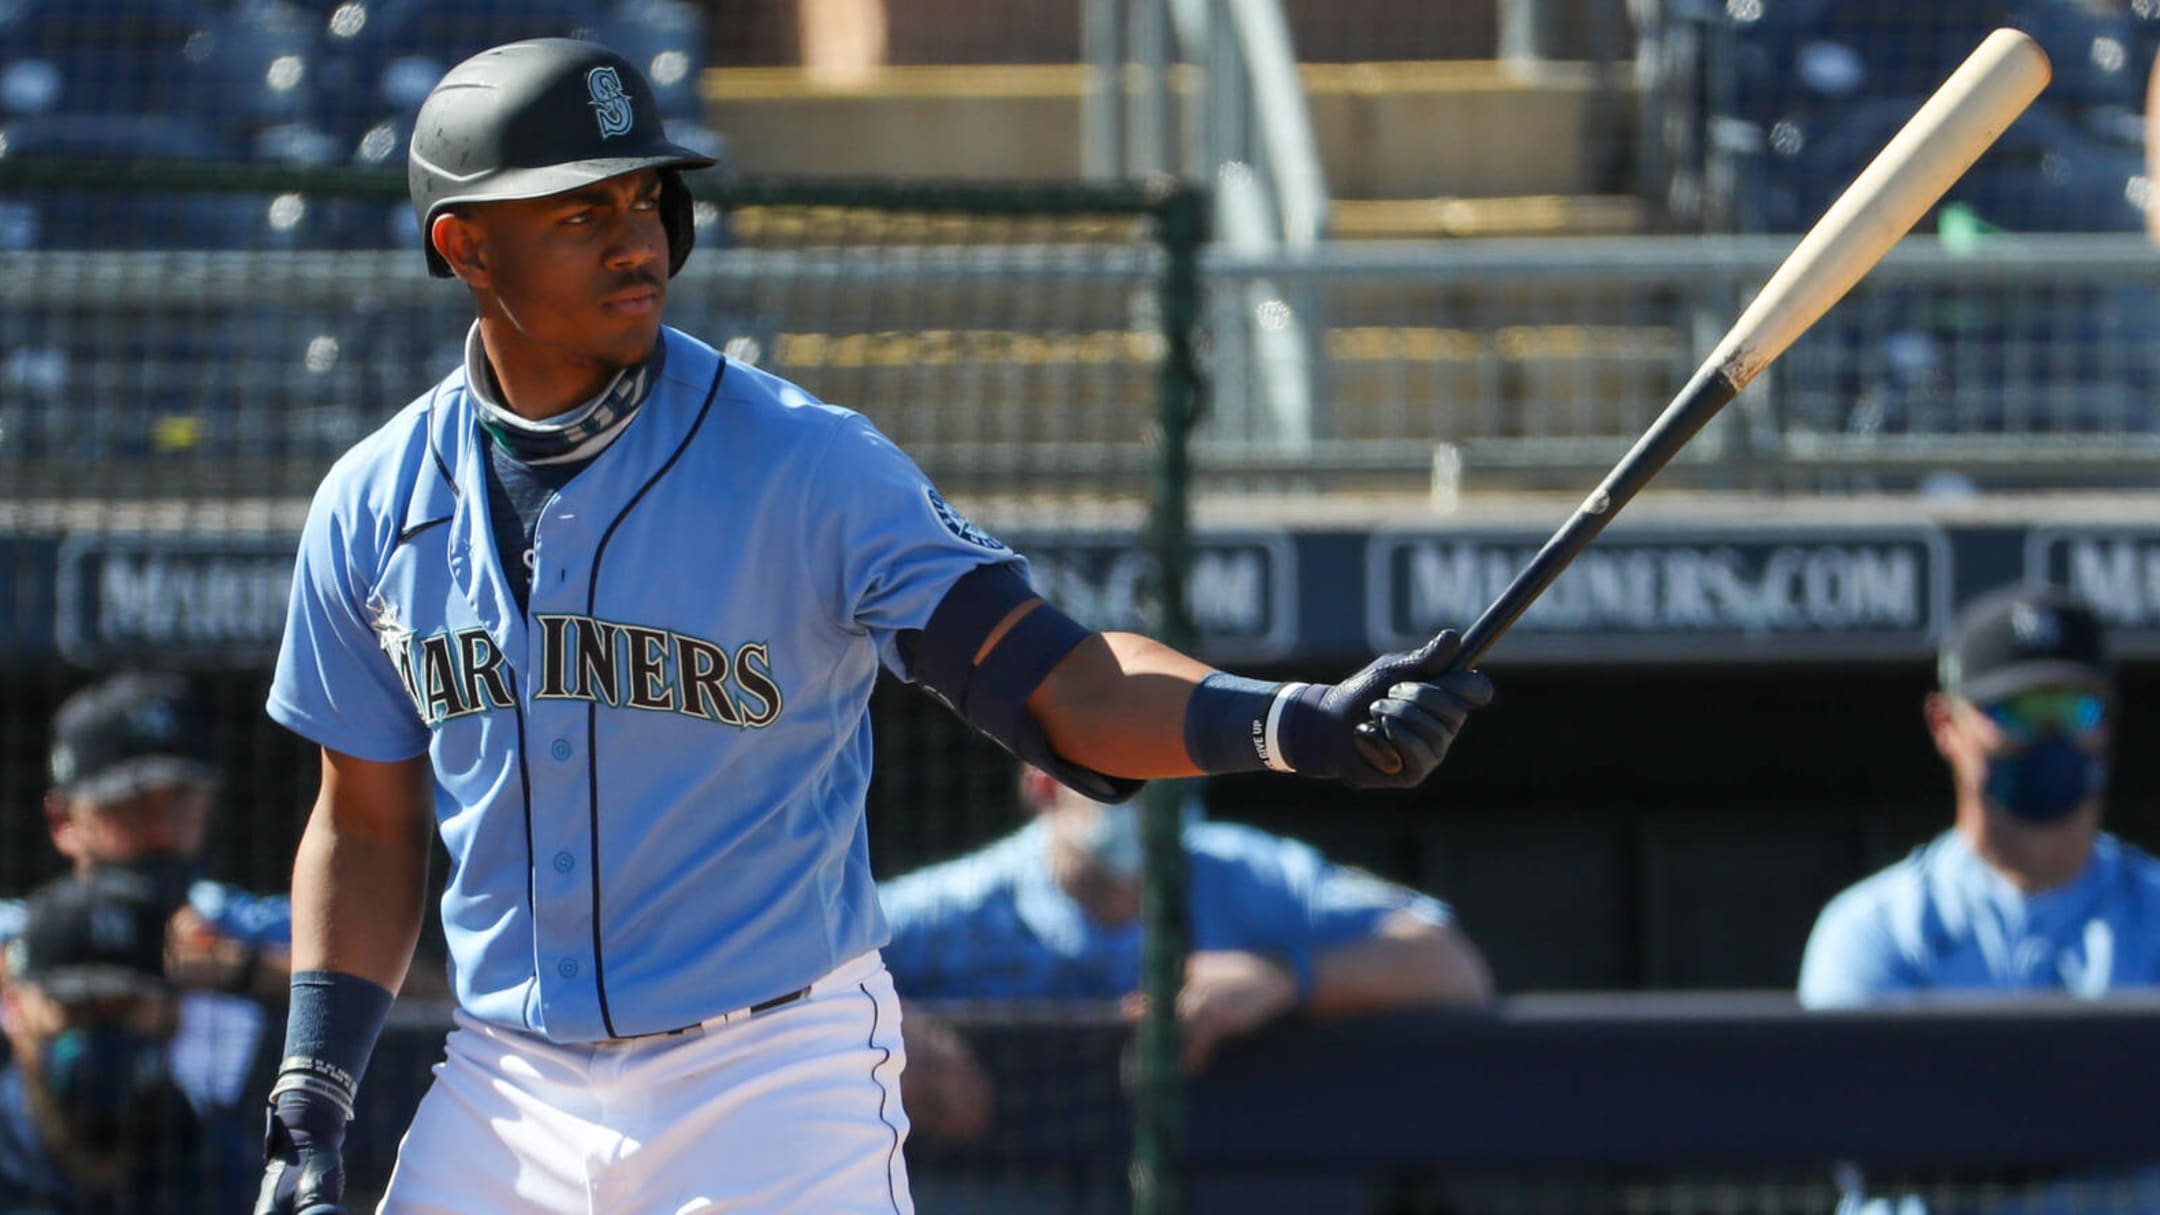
x: 2029, y: 716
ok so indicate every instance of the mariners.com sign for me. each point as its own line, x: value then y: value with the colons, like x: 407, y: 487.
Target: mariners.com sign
x: 1669, y: 594
x: 1831, y: 592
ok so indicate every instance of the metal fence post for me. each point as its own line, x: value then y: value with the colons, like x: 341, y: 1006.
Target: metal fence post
x: 1102, y: 123
x: 1158, y: 1166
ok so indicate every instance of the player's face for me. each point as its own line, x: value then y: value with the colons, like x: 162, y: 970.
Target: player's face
x: 1972, y: 736
x: 581, y: 274
x: 162, y: 822
x: 1095, y: 855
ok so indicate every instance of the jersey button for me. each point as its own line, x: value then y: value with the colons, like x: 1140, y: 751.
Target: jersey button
x: 560, y: 749
x: 567, y: 968
x: 564, y: 862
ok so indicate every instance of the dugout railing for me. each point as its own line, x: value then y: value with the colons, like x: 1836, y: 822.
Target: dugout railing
x: 1705, y: 1103
x: 2026, y: 362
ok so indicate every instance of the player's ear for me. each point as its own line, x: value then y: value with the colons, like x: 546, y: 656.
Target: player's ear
x: 60, y: 821
x: 461, y: 243
x: 1941, y: 717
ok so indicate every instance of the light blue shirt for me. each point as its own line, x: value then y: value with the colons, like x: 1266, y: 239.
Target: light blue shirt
x: 651, y: 781
x: 1943, y: 921
x: 994, y: 925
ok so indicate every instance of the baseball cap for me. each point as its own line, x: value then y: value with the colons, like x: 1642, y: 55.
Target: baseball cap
x: 93, y: 936
x: 129, y: 733
x: 2020, y: 637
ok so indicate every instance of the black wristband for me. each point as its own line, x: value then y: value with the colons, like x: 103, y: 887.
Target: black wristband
x: 1231, y: 724
x: 330, y: 1031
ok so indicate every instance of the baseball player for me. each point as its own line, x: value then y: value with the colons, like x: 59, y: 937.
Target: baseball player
x: 134, y: 787
x: 2024, y: 893
x: 1052, y: 911
x: 605, y: 609
x: 94, y: 1117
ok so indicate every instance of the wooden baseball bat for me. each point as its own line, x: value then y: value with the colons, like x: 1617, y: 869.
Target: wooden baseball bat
x: 1966, y: 115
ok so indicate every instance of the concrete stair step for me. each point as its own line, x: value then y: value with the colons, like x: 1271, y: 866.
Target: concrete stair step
x: 1532, y: 215
x: 950, y: 390
x: 1385, y: 130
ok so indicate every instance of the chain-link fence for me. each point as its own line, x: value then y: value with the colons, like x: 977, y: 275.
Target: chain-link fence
x: 1970, y: 359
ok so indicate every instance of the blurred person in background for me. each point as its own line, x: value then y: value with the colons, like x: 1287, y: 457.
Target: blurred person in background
x: 133, y: 787
x: 2024, y: 894
x: 93, y: 1116
x: 1053, y: 912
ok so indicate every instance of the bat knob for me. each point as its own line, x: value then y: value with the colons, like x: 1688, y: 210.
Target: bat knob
x: 1377, y: 750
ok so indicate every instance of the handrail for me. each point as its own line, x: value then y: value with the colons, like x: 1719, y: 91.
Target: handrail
x: 1285, y: 128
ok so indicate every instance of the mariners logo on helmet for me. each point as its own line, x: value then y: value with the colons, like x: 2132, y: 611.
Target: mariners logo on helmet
x: 611, y: 106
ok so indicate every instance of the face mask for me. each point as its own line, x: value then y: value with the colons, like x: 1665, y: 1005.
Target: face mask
x: 108, y: 1085
x: 1112, y: 839
x: 2045, y: 782
x: 168, y: 877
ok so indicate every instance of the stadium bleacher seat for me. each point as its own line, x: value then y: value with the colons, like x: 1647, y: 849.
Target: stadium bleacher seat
x: 382, y: 56
x: 237, y: 72
x: 1801, y: 94
x: 111, y: 219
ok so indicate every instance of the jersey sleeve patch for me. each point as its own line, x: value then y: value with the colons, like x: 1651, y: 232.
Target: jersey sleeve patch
x: 959, y: 526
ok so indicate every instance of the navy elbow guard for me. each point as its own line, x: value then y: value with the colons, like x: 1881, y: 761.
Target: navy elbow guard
x: 992, y: 694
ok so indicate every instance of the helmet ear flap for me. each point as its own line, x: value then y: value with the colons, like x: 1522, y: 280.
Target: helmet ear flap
x: 679, y: 216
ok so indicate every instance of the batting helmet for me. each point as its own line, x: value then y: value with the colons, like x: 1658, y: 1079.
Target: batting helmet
x: 533, y: 118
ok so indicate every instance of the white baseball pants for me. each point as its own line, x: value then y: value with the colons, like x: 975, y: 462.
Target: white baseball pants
x: 796, y: 1109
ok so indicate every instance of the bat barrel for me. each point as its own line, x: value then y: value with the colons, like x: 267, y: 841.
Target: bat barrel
x: 1958, y: 123
x: 1927, y: 155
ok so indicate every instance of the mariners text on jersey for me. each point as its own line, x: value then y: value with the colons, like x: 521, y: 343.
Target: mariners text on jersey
x: 650, y: 776
x: 619, y: 665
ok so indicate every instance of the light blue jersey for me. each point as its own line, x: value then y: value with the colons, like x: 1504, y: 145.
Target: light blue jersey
x: 651, y: 781
x: 1941, y: 921
x: 994, y: 925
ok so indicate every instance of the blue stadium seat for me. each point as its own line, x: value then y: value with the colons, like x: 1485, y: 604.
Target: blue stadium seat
x: 236, y: 71
x: 131, y: 219
x: 1785, y: 56
x: 380, y: 57
x: 103, y: 56
x: 2090, y: 49
x: 666, y: 40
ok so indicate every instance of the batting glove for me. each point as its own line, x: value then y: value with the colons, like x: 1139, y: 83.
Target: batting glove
x: 304, y: 1167
x: 1412, y: 698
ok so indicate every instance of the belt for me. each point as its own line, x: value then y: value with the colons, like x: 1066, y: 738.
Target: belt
x: 762, y: 1006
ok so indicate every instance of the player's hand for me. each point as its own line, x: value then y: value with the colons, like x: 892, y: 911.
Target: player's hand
x: 1412, y: 698
x: 944, y: 1088
x: 198, y: 958
x: 303, y: 1163
x: 1227, y: 992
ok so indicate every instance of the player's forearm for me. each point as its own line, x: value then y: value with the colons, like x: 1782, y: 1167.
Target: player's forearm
x: 360, y: 877
x: 1408, y: 964
x: 1116, y: 704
